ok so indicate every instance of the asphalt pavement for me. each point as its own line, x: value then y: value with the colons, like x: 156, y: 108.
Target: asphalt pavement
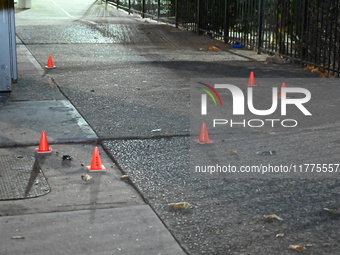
x: 129, y: 86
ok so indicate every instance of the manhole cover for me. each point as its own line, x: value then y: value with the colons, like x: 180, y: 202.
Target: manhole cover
x: 21, y: 177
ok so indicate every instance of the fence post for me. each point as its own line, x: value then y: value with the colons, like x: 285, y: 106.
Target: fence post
x: 158, y: 9
x: 129, y: 7
x: 260, y: 27
x: 226, y: 21
x: 198, y: 17
x: 143, y: 8
x: 176, y: 13
x: 304, y: 23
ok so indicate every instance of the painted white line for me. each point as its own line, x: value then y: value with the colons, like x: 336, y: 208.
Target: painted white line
x: 69, y: 15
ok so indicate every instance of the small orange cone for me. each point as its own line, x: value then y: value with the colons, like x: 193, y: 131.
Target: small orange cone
x: 50, y: 62
x: 280, y: 93
x: 43, y: 145
x: 251, y: 81
x: 204, y: 137
x: 96, y: 163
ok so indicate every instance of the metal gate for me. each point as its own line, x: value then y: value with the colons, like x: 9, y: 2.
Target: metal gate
x: 307, y: 31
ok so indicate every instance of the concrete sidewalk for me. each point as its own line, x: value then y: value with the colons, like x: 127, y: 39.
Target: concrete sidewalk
x: 132, y: 81
x: 104, y: 215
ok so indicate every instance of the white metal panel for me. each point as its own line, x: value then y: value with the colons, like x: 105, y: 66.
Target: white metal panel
x: 8, y: 59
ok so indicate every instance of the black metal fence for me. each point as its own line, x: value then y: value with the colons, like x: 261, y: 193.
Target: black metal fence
x: 307, y: 31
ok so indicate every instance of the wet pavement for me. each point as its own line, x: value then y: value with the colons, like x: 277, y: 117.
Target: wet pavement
x: 130, y: 80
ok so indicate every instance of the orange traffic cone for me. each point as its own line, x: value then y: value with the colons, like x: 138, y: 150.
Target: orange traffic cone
x: 204, y: 137
x: 96, y: 163
x: 251, y: 81
x: 50, y: 62
x: 43, y: 145
x: 280, y: 93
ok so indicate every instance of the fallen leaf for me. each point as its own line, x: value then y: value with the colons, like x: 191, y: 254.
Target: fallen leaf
x: 213, y: 48
x: 326, y: 244
x: 332, y: 211
x: 272, y: 216
x: 17, y: 237
x: 280, y: 235
x: 125, y: 177
x: 297, y: 248
x: 233, y: 153
x: 180, y: 205
x: 86, y: 177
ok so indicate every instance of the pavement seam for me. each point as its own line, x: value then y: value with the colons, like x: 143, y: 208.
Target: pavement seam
x: 68, y: 99
x: 63, y: 209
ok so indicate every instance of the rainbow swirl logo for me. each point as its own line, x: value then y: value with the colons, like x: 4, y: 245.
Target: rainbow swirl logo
x: 209, y: 90
x: 211, y: 94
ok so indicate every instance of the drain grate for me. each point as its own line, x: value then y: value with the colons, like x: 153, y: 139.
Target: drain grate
x: 21, y: 177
